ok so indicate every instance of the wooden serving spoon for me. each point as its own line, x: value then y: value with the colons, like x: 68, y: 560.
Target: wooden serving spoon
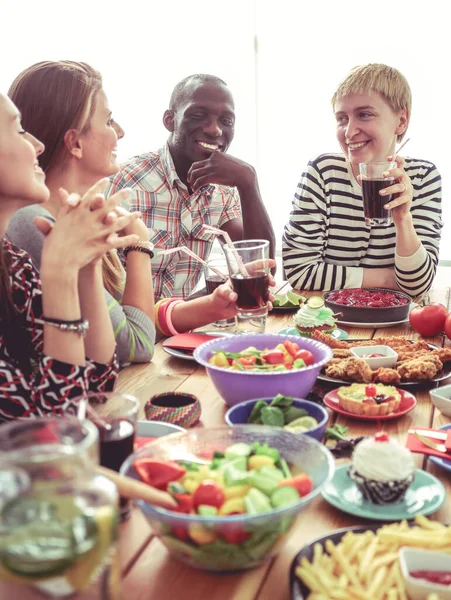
x: 136, y: 490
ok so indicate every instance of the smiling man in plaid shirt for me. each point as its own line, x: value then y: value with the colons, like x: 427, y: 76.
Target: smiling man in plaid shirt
x: 191, y: 181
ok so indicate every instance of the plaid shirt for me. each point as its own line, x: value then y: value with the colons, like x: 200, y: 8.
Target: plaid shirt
x: 175, y: 218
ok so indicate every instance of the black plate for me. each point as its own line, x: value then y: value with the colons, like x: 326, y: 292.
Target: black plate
x: 299, y: 591
x: 443, y: 374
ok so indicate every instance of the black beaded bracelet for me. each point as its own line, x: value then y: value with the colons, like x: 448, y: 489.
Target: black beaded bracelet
x: 138, y: 249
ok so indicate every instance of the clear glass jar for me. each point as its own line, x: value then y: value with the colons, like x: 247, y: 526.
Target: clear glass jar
x: 58, y: 518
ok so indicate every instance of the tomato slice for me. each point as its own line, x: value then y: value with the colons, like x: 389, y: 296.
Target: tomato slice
x: 306, y: 356
x: 208, y: 493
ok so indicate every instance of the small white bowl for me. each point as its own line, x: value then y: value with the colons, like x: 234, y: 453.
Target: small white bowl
x: 388, y: 360
x: 441, y: 399
x: 413, y: 559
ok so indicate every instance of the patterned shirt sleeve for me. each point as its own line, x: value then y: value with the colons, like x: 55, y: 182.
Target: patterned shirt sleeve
x: 49, y: 384
x: 232, y: 206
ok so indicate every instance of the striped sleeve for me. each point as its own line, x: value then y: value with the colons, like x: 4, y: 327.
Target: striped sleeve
x: 415, y: 274
x: 133, y: 330
x: 304, y: 240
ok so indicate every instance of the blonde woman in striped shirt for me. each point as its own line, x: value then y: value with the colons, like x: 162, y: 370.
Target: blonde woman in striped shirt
x: 326, y: 243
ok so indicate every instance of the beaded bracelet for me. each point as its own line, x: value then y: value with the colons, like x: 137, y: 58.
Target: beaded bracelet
x: 79, y: 326
x: 146, y: 247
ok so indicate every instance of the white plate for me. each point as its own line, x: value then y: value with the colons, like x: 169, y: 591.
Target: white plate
x: 185, y: 356
x: 377, y: 325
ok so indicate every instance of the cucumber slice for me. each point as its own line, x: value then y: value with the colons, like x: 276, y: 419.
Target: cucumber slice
x: 239, y: 449
x: 315, y: 302
x: 284, y: 495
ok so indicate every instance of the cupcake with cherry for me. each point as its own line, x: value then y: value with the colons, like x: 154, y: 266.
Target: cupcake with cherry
x: 382, y: 469
x: 314, y: 316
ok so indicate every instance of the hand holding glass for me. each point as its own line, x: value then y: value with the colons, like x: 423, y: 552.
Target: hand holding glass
x: 373, y: 181
x: 212, y: 281
x: 251, y: 286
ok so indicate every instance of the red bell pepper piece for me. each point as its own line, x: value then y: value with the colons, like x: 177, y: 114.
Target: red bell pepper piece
x: 185, y: 503
x: 248, y: 360
x: 232, y: 533
x: 180, y: 532
x: 302, y: 483
x: 274, y: 357
x: 158, y: 473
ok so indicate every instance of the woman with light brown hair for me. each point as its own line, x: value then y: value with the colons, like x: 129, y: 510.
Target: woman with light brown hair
x: 63, y: 105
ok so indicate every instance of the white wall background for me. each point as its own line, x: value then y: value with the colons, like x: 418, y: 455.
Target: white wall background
x: 282, y: 61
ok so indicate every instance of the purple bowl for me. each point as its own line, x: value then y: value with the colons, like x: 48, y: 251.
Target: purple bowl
x: 239, y: 414
x: 236, y: 386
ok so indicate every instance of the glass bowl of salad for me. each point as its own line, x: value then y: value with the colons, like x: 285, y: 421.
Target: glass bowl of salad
x: 239, y: 490
x: 250, y: 366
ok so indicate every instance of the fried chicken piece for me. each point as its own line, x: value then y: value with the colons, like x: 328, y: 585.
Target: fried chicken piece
x: 329, y: 340
x: 341, y: 352
x: 444, y: 354
x: 357, y: 369
x: 418, y: 369
x: 399, y: 342
x: 387, y: 376
x: 335, y: 369
x: 404, y: 355
x: 425, y: 357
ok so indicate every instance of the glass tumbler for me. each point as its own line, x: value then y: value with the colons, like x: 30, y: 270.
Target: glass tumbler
x: 248, y: 263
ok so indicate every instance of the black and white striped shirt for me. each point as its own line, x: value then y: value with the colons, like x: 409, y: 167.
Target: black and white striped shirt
x: 326, y: 243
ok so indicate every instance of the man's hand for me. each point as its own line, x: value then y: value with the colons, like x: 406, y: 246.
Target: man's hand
x: 222, y: 169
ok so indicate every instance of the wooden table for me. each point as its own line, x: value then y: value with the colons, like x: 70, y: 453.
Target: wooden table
x: 148, y: 570
x: 149, y: 573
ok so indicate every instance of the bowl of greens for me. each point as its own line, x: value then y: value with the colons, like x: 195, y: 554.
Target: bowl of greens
x: 238, y: 489
x: 293, y: 414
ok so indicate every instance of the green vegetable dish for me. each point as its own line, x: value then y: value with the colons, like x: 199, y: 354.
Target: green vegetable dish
x: 281, y: 413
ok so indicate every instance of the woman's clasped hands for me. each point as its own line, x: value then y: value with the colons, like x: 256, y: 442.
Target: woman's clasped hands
x: 86, y: 227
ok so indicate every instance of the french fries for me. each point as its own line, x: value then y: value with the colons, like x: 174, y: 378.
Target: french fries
x: 365, y: 566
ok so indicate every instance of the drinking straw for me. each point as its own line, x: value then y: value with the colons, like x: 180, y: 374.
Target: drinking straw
x: 400, y: 148
x: 186, y: 250
x: 229, y: 243
x: 96, y: 418
x: 137, y: 490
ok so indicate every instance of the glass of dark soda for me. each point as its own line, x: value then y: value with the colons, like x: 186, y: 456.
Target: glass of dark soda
x: 248, y: 263
x: 373, y: 181
x: 115, y: 416
x: 212, y: 280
